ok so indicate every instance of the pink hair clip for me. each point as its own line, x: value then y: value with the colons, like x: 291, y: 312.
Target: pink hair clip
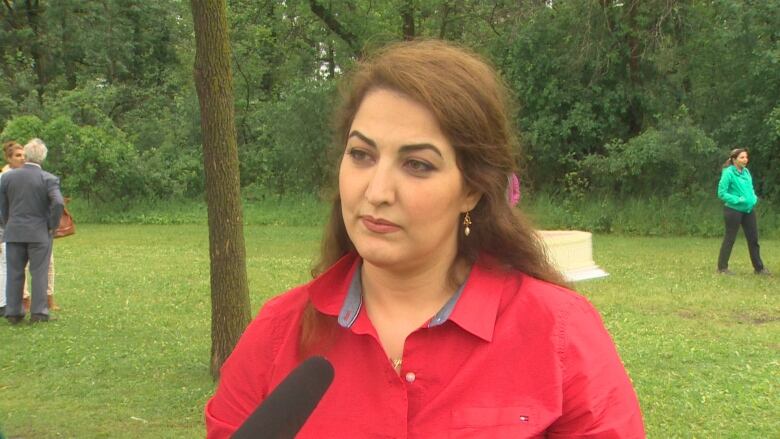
x: 513, y: 190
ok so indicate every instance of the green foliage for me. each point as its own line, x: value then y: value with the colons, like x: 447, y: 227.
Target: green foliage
x: 730, y: 60
x: 774, y: 123
x: 102, y: 164
x: 91, y: 162
x: 600, y: 84
x: 676, y: 215
x: 168, y: 172
x: 259, y: 209
x: 659, y: 162
x: 8, y: 106
x: 166, y: 159
x: 293, y: 156
x: 21, y: 129
x: 571, y: 68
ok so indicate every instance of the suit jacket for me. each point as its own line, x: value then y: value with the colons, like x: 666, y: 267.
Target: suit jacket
x: 30, y: 204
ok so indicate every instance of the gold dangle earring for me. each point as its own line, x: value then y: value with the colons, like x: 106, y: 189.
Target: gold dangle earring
x: 467, y: 223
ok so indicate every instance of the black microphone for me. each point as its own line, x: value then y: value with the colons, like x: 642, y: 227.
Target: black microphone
x: 290, y: 404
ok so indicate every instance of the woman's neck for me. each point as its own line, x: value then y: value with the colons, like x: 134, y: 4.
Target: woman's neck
x: 413, y: 294
x: 398, y: 303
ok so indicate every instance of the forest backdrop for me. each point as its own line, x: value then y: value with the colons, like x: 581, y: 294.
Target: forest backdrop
x: 630, y: 100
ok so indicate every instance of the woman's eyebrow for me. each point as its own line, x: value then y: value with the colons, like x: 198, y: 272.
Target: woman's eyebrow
x: 404, y: 149
x: 420, y: 146
x: 361, y: 136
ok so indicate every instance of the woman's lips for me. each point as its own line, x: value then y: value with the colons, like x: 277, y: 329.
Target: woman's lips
x: 378, y: 225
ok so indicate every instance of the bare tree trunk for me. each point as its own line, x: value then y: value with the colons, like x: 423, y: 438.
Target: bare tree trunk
x: 407, y: 17
x: 214, y: 82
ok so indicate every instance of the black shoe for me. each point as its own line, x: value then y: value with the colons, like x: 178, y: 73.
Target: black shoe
x: 763, y: 272
x: 15, y: 320
x: 726, y: 272
x: 35, y: 318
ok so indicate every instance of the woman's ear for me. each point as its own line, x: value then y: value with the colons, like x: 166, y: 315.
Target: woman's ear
x: 470, y: 200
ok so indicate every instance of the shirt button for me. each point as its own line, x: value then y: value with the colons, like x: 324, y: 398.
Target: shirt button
x: 410, y: 377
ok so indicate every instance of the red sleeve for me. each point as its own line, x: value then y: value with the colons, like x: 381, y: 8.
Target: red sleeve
x: 243, y: 382
x: 598, y: 398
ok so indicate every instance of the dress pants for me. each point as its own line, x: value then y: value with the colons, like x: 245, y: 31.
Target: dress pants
x: 18, y: 254
x: 733, y: 219
x: 2, y: 275
x: 49, y: 291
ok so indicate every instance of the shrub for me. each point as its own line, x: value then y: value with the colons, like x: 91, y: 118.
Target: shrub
x: 289, y: 149
x: 22, y: 129
x: 659, y: 162
x: 92, y: 162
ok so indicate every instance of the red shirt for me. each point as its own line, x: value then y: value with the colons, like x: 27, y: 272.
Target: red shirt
x: 509, y: 357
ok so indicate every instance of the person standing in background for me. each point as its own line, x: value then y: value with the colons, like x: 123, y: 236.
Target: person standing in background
x: 30, y: 208
x: 14, y: 157
x: 736, y: 191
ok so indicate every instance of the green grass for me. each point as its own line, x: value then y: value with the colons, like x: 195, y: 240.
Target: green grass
x: 701, y: 348
x: 289, y: 210
x: 678, y: 215
x: 129, y: 354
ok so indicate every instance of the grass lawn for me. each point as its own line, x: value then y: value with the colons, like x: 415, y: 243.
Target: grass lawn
x: 128, y: 356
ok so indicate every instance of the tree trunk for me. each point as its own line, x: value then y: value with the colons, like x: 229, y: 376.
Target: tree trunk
x: 68, y: 51
x: 407, y: 17
x: 214, y: 82
x: 34, y: 12
x: 635, y: 107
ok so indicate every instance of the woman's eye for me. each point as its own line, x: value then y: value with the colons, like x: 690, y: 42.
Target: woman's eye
x: 359, y: 155
x: 418, y: 166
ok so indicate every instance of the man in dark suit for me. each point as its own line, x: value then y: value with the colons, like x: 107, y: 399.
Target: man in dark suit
x: 30, y: 208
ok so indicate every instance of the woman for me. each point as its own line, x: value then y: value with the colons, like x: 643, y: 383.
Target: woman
x: 433, y: 300
x: 736, y: 191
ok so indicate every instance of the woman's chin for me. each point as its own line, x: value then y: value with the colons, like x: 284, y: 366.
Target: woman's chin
x: 380, y: 257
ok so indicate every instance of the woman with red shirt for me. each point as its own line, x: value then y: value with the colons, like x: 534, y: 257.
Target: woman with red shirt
x: 433, y: 298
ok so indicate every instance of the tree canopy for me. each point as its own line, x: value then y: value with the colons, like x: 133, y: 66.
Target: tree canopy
x: 628, y: 97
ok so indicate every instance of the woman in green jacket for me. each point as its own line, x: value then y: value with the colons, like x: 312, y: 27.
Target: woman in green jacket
x: 736, y: 191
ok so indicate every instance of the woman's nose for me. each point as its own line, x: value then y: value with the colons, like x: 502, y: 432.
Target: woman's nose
x: 381, y: 186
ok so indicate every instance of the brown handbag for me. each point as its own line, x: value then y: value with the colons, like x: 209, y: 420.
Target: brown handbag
x: 67, y: 227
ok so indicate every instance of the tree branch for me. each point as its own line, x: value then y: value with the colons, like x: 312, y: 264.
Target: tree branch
x: 334, y: 25
x: 10, y: 8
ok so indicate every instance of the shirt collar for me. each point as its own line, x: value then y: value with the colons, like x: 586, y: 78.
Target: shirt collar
x: 473, y: 307
x: 477, y: 307
x: 31, y: 164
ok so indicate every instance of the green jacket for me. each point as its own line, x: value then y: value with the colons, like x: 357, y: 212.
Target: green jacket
x: 736, y: 189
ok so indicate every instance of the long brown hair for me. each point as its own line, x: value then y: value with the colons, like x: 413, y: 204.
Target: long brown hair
x: 471, y: 105
x: 733, y: 156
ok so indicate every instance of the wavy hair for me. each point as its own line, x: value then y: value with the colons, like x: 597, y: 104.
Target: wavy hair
x: 8, y: 149
x: 471, y: 104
